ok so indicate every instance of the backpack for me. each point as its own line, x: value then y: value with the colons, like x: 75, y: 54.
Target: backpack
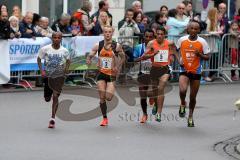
x: 114, y: 47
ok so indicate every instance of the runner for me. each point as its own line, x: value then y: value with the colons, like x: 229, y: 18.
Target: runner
x: 194, y: 50
x: 161, y: 52
x: 57, y: 61
x: 143, y: 77
x: 109, y: 65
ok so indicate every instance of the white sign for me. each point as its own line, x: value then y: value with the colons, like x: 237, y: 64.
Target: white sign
x: 4, y: 62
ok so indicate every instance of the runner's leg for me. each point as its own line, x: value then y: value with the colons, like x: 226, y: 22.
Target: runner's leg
x: 162, y: 84
x: 183, y: 86
x: 194, y: 87
x: 101, y: 85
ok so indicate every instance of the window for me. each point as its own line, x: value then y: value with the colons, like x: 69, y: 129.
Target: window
x: 74, y: 5
x: 10, y: 4
x: 51, y: 9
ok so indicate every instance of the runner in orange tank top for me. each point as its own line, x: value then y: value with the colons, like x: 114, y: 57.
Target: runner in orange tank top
x: 193, y: 50
x: 109, y: 66
x: 161, y: 52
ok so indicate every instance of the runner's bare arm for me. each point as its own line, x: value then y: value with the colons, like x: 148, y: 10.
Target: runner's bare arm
x: 39, y: 64
x: 173, y: 49
x: 121, y: 53
x: 148, y: 53
x: 201, y: 55
x: 92, y: 53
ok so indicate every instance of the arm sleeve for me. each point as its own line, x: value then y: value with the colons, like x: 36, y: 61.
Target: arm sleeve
x: 206, y: 48
x: 179, y: 24
x: 87, y: 26
x: 122, y: 29
x: 136, y: 28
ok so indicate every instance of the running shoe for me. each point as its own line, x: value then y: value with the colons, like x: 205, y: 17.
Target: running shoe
x: 182, y: 111
x: 154, y: 110
x: 158, y: 117
x: 104, y: 122
x: 51, y: 124
x: 144, y: 118
x: 190, y: 122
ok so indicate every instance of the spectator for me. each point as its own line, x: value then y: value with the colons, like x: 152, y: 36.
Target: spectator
x: 4, y: 26
x: 62, y: 24
x: 103, y: 6
x: 137, y: 17
x: 213, y: 25
x: 188, y: 9
x: 175, y: 27
x: 36, y: 23
x: 26, y: 27
x: 14, y: 27
x: 84, y: 19
x: 137, y: 6
x: 120, y: 23
x: 164, y: 11
x: 203, y: 25
x: 46, y: 31
x: 17, y: 12
x: 145, y: 21
x: 234, y: 42
x: 222, y: 8
x: 237, y: 18
x: 103, y: 20
x: 160, y: 20
x: 74, y: 27
x: 181, y: 12
x: 128, y: 29
x: 3, y: 8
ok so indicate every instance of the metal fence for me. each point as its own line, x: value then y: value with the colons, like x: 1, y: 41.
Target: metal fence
x: 224, y: 61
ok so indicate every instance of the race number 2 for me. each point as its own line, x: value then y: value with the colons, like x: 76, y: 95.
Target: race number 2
x: 106, y: 63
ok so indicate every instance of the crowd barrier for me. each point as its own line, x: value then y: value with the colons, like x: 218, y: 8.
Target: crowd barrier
x: 230, y: 61
x: 224, y: 57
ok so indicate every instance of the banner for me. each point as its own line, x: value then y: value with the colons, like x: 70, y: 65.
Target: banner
x: 79, y: 47
x: 23, y: 53
x: 4, y: 62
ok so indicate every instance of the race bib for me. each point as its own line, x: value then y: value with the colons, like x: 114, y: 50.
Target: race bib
x: 106, y: 63
x: 161, y: 56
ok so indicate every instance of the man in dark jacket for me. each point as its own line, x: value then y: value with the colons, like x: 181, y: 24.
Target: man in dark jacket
x: 62, y: 25
x: 222, y: 8
x: 4, y: 26
x: 27, y: 28
x: 103, y: 6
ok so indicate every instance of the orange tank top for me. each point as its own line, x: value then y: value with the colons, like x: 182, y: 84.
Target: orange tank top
x: 106, y: 61
x: 162, y: 58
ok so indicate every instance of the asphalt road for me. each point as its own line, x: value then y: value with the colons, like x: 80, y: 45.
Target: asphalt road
x: 24, y: 134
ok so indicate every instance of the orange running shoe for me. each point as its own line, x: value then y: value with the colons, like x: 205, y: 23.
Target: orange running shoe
x: 144, y: 119
x: 151, y: 101
x: 104, y: 122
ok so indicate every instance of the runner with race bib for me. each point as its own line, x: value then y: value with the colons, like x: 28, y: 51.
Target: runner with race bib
x: 193, y: 50
x: 161, y: 52
x: 110, y: 60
